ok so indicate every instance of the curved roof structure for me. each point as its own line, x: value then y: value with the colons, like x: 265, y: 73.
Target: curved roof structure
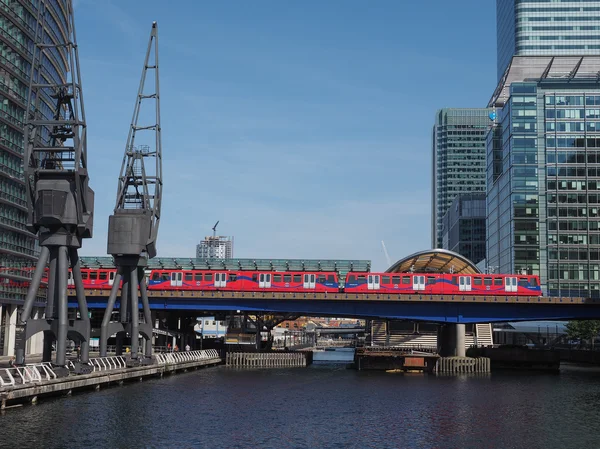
x: 434, y: 261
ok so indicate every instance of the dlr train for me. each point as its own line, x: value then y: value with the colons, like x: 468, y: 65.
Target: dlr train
x: 324, y: 281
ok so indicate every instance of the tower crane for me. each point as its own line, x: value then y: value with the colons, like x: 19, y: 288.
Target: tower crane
x: 59, y: 201
x: 133, y: 227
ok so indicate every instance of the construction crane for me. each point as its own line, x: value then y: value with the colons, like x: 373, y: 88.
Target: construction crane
x: 59, y: 201
x: 133, y: 227
x: 213, y: 242
x: 387, y: 256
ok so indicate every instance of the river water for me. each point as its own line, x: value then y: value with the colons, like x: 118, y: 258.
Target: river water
x: 320, y: 407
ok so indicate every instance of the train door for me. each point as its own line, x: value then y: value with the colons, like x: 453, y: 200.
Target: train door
x: 264, y: 280
x: 418, y: 283
x: 464, y: 283
x: 176, y: 279
x: 309, y: 281
x: 373, y: 282
x: 70, y: 280
x: 510, y: 284
x: 111, y: 277
x: 220, y: 280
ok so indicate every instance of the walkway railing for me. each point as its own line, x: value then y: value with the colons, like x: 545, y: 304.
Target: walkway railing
x: 186, y: 356
x: 108, y: 363
x: 21, y: 375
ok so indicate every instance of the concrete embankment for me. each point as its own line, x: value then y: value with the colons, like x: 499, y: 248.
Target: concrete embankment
x: 28, y: 384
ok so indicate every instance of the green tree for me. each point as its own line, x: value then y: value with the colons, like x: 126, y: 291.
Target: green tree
x: 583, y: 329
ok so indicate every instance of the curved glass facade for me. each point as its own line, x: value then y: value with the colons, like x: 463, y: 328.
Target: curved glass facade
x: 18, y: 247
x: 546, y: 27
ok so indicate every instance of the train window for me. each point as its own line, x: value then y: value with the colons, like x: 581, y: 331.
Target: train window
x: 523, y: 282
x: 487, y: 281
x: 385, y: 279
x: 103, y: 275
x: 287, y: 278
x: 477, y: 281
x: 297, y: 278
x: 533, y: 282
x: 430, y: 280
x: 455, y: 280
x: 395, y: 279
x: 93, y: 275
x: 406, y: 280
x: 498, y: 281
x: 351, y: 278
x: 189, y: 277
x: 197, y: 276
x: 330, y: 278
x: 276, y: 278
x: 165, y: 277
x: 232, y: 276
x: 155, y: 276
x: 362, y: 278
x: 208, y: 276
x: 84, y: 275
x: 321, y: 279
x: 255, y: 277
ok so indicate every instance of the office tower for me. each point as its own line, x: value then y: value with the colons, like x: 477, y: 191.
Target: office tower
x: 463, y: 226
x: 546, y: 27
x: 458, y: 160
x: 543, y: 175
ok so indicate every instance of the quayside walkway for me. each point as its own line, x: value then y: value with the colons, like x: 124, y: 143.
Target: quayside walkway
x: 29, y: 383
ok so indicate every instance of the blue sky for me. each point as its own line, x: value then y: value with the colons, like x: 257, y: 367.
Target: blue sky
x: 304, y: 127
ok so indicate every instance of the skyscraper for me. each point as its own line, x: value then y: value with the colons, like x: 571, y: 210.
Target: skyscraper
x: 458, y: 160
x: 217, y: 247
x: 543, y: 197
x: 546, y: 27
x: 464, y: 228
x: 18, y: 247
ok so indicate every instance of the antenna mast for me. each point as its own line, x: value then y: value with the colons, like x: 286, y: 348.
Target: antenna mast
x: 133, y: 228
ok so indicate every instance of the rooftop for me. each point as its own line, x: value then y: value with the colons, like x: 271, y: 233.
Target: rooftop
x: 434, y: 261
x: 545, y: 68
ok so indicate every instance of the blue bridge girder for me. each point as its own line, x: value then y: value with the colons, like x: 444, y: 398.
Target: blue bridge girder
x: 440, y: 309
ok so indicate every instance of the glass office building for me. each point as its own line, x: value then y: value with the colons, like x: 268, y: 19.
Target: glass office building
x: 458, y: 150
x: 463, y: 226
x: 546, y: 27
x: 543, y: 174
x: 17, y: 30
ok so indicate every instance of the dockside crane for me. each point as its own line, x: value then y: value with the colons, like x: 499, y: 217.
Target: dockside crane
x: 60, y: 202
x: 133, y: 227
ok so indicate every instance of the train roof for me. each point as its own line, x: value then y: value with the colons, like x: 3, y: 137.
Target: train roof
x: 184, y: 263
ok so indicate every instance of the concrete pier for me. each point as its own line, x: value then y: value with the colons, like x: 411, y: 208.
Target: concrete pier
x: 451, y: 340
x: 35, y: 381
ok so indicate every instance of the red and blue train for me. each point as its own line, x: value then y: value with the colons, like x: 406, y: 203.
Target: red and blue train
x: 324, y: 281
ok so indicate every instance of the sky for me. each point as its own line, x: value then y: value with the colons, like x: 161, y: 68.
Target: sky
x: 303, y: 127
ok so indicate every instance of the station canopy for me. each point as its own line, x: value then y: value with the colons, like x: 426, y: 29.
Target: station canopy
x: 434, y: 261
x: 185, y: 263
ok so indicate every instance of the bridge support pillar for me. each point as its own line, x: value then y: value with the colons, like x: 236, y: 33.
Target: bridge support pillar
x: 387, y: 332
x: 451, y: 340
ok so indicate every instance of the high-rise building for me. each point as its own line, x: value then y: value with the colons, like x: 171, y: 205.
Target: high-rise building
x: 546, y: 27
x: 543, y: 174
x: 215, y: 247
x: 463, y: 226
x: 458, y: 160
x: 18, y: 247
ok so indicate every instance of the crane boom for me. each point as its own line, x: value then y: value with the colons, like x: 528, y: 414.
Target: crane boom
x: 133, y: 227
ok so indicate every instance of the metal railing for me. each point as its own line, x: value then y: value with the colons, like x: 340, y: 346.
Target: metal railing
x: 30, y: 373
x: 186, y: 356
x: 107, y: 363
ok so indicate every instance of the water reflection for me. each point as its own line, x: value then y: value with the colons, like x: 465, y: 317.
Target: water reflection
x: 320, y: 406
